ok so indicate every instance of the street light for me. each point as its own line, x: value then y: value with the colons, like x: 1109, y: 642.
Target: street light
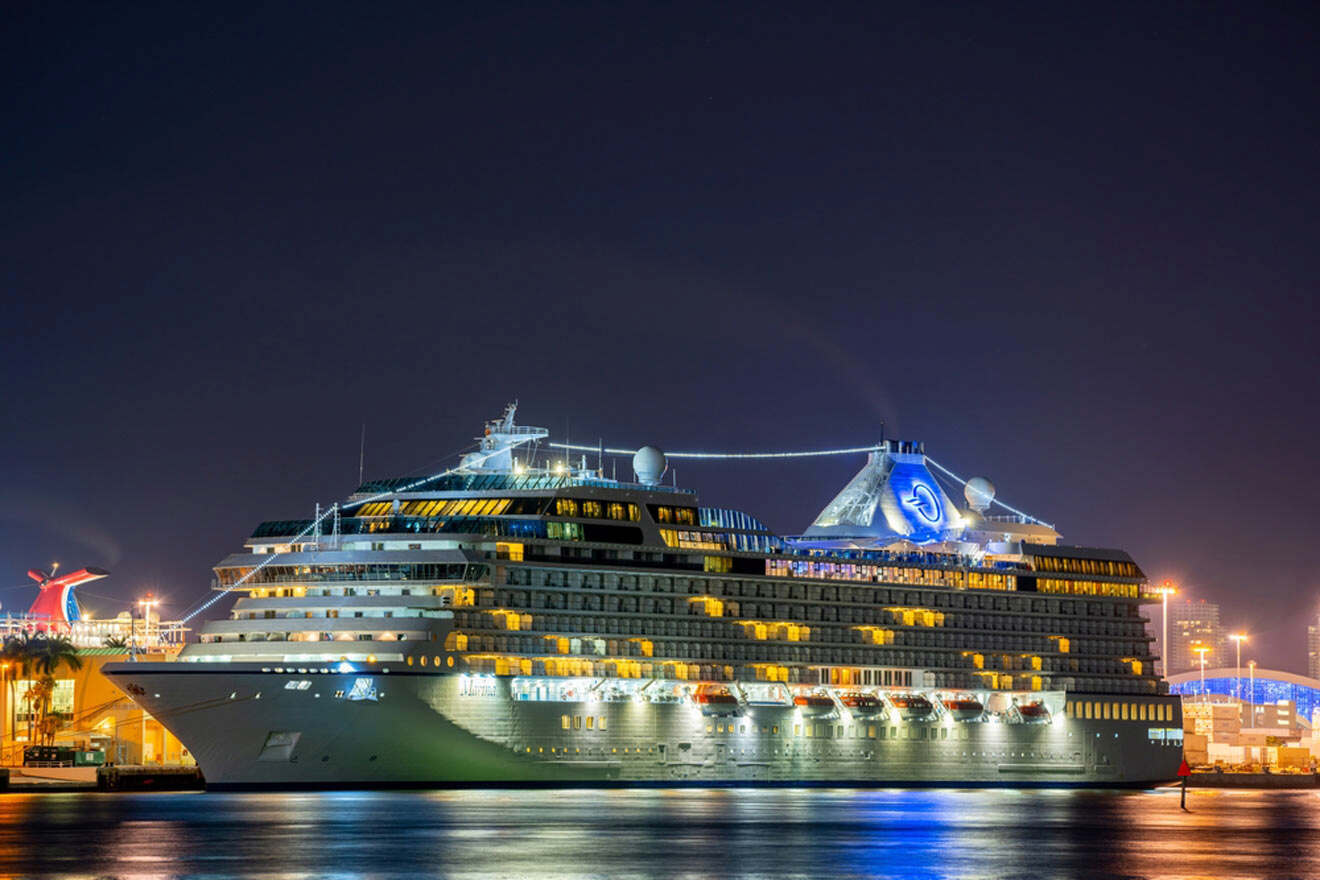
x: 1201, y: 650
x: 1166, y: 590
x: 146, y: 604
x: 1237, y: 672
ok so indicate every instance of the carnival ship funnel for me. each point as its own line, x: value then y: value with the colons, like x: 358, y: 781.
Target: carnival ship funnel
x: 894, y: 497
x: 56, y: 602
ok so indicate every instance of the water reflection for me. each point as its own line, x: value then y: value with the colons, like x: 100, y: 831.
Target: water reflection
x: 655, y: 833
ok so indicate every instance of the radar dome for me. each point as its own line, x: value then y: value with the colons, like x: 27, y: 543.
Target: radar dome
x: 979, y: 492
x: 649, y: 465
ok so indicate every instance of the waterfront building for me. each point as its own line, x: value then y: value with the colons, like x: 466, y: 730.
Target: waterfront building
x: 1267, y: 687
x: 523, y: 619
x: 93, y: 713
x: 1272, y: 723
x: 1193, y: 623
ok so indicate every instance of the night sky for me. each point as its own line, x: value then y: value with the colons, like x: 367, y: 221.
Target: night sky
x: 1073, y: 251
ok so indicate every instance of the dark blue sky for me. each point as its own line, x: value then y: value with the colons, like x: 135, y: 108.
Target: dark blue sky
x: 1074, y: 251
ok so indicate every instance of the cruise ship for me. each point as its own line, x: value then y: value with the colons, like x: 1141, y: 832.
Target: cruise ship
x: 523, y: 619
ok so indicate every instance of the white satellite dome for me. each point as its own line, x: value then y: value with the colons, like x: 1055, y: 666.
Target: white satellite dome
x: 979, y: 492
x: 649, y: 465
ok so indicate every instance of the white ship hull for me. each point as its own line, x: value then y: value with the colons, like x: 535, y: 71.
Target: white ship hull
x: 249, y: 728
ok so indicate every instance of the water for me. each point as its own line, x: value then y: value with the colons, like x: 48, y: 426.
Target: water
x: 719, y: 834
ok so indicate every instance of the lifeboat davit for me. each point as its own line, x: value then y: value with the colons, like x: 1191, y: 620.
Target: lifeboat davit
x: 717, y: 702
x: 862, y: 705
x: 912, y: 707
x: 813, y: 705
x: 1034, y: 713
x: 963, y: 708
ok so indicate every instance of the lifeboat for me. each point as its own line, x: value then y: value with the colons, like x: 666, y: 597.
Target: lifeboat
x: 964, y: 708
x: 911, y: 707
x: 717, y: 702
x: 1034, y: 713
x: 862, y: 705
x: 813, y: 705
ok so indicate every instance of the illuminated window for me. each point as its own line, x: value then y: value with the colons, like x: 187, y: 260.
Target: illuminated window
x: 565, y: 722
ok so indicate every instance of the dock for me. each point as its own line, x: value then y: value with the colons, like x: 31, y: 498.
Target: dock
x: 113, y: 778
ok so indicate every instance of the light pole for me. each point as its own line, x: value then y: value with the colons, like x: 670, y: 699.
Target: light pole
x: 145, y: 604
x: 1202, y: 650
x: 1166, y: 590
x: 1239, y: 638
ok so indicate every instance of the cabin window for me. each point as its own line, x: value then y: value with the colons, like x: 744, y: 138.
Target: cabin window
x: 565, y: 722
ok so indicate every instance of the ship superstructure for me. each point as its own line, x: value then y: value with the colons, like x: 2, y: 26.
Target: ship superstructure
x: 520, y: 619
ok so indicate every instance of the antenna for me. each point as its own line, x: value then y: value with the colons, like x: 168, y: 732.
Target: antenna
x: 362, y: 452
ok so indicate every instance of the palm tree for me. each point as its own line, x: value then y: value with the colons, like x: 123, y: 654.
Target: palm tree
x: 38, y: 696
x: 20, y: 650
x: 115, y: 642
x: 51, y: 652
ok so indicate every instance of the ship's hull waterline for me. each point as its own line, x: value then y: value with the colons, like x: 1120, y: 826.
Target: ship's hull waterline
x: 254, y: 729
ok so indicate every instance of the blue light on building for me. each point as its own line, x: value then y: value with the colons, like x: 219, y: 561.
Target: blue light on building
x: 1270, y: 686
